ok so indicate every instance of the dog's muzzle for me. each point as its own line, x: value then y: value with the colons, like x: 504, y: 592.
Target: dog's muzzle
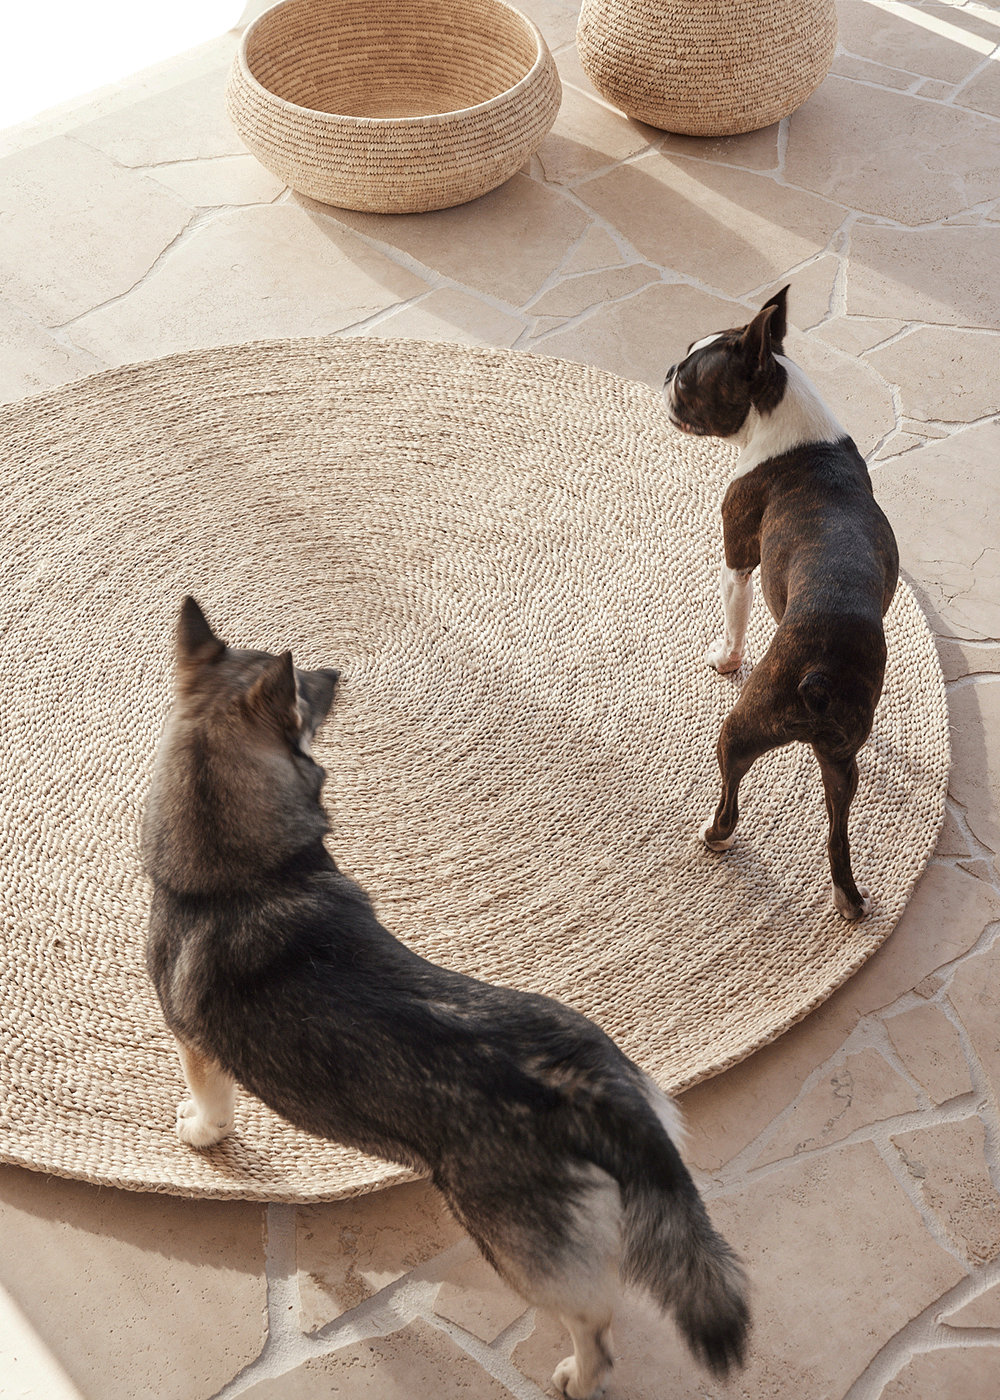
x: 676, y: 420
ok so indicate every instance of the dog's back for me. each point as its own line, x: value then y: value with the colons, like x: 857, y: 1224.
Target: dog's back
x: 828, y: 569
x: 550, y: 1146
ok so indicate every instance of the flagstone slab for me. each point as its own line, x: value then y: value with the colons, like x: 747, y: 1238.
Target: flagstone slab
x: 29, y: 1368
x: 929, y: 160
x: 475, y: 1298
x: 217, y: 183
x: 573, y: 295
x: 812, y: 292
x: 651, y: 1361
x: 752, y: 150
x: 589, y: 134
x: 962, y: 658
x: 945, y: 918
x: 31, y: 360
x: 505, y: 243
x: 948, y: 1166
x: 895, y: 445
x: 897, y: 36
x: 982, y: 94
x: 865, y: 71
x: 943, y: 504
x: 555, y: 18
x: 188, y: 122
x: 942, y: 275
x: 952, y: 840
x: 135, y: 1294
x: 861, y: 1091
x: 642, y: 336
x: 808, y: 1233
x: 944, y: 373
x: 416, y: 1361
x: 975, y: 729
x: 856, y: 334
x: 347, y: 1251
x: 247, y: 275
x: 76, y: 230
x: 982, y: 1311
x: 451, y: 314
x: 595, y: 251
x: 733, y: 230
x: 951, y: 1373
x: 725, y: 1114
x: 974, y: 992
x: 929, y: 1046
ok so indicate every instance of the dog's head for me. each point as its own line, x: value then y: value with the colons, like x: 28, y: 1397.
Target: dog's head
x: 711, y: 391
x: 274, y: 701
x: 235, y: 789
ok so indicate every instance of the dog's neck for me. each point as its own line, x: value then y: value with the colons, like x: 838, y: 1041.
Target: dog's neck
x: 801, y: 417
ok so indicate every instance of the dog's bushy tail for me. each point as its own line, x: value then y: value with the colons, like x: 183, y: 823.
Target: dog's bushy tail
x: 673, y: 1252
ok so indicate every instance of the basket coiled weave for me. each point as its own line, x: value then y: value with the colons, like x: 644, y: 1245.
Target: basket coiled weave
x: 393, y: 108
x: 707, y: 67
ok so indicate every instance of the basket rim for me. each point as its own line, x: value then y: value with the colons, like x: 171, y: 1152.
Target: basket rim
x: 387, y: 123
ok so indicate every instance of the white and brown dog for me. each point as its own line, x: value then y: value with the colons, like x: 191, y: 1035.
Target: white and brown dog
x: 801, y: 506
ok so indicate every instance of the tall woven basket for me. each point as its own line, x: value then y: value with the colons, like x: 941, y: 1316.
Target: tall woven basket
x: 707, y: 67
x: 393, y: 106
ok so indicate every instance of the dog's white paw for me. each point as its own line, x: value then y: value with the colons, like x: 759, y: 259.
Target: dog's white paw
x: 849, y: 910
x: 716, y: 845
x: 566, y: 1380
x: 723, y: 658
x: 195, y: 1129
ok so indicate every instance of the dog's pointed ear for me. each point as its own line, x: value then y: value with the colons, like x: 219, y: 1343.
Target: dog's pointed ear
x: 778, y: 324
x: 197, y: 644
x: 765, y: 334
x: 272, y: 695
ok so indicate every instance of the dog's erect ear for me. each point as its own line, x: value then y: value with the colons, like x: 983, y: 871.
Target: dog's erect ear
x: 778, y: 324
x: 272, y: 695
x: 197, y: 644
x: 760, y: 341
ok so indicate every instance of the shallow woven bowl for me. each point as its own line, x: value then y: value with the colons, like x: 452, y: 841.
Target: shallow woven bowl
x: 707, y: 67
x: 393, y: 108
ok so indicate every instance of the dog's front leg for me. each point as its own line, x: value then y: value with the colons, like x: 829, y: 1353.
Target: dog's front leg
x: 207, y: 1117
x: 737, y: 600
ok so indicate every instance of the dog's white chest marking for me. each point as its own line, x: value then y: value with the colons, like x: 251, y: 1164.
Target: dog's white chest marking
x: 800, y: 417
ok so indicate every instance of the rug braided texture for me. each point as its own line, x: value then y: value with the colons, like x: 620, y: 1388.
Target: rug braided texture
x: 514, y: 561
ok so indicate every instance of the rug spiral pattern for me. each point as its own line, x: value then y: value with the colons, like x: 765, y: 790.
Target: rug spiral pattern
x: 514, y: 562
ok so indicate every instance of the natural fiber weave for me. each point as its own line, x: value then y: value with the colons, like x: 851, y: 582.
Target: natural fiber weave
x: 707, y: 67
x: 393, y: 106
x: 514, y: 561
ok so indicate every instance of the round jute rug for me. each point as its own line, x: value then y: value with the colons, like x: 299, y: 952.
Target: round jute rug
x: 514, y: 562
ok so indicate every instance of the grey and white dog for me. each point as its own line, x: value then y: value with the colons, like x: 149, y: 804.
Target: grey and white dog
x: 550, y: 1147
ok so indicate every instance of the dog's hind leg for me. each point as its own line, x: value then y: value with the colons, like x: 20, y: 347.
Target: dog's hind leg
x: 580, y: 1376
x: 840, y: 783
x: 737, y: 751
x: 564, y: 1256
x: 207, y: 1116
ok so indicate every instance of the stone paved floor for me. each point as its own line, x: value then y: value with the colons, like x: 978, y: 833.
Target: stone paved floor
x: 856, y: 1162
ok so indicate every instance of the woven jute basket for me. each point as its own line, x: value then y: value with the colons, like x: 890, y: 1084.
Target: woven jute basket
x: 707, y: 67
x: 514, y: 563
x: 393, y: 107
